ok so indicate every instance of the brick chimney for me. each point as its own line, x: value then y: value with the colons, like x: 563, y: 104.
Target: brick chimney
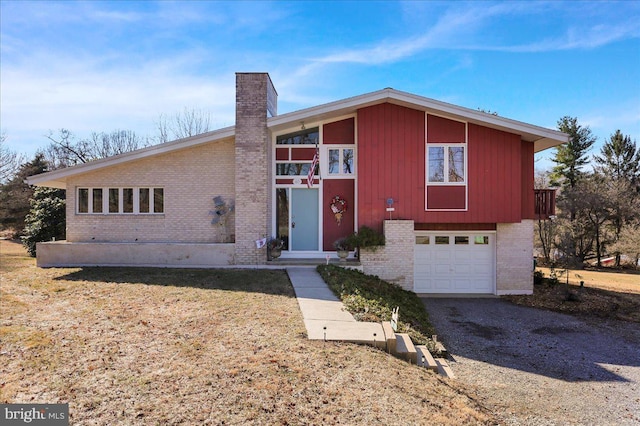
x: 255, y: 100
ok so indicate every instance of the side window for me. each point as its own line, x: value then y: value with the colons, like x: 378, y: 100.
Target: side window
x: 340, y: 161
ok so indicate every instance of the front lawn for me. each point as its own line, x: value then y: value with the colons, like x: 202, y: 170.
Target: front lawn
x: 138, y: 346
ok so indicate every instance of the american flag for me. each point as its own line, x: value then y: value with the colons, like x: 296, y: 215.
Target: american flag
x: 312, y: 170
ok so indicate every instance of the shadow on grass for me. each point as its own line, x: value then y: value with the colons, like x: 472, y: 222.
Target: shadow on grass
x: 273, y: 282
x: 537, y: 341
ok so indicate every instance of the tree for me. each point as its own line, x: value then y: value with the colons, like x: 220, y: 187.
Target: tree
x: 629, y: 243
x: 190, y: 122
x: 619, y: 158
x: 15, y: 194
x: 66, y: 150
x: 46, y: 219
x: 572, y: 156
x: 9, y: 161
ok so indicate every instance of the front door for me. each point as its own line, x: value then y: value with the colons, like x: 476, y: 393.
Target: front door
x: 304, y: 220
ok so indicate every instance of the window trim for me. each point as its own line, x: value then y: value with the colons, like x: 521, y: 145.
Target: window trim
x: 340, y: 174
x: 446, y: 146
x: 105, y: 200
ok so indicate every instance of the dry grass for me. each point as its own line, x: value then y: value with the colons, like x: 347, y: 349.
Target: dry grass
x: 158, y: 346
x: 606, y: 294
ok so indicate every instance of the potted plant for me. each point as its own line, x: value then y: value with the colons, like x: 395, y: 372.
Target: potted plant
x: 274, y: 247
x: 342, y: 247
x: 366, y: 238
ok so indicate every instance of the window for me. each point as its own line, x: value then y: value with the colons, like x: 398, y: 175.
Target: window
x: 294, y: 169
x: 446, y: 163
x: 481, y: 239
x: 303, y: 137
x: 120, y: 200
x: 341, y: 161
x: 442, y: 240
x: 422, y: 239
x: 462, y: 240
x: 83, y: 200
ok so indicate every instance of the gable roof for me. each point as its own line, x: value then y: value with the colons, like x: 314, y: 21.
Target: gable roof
x: 541, y: 137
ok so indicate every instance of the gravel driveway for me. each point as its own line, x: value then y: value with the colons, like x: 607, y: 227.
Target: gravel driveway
x: 536, y: 367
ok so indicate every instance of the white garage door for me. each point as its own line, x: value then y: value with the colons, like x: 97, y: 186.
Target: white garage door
x: 455, y: 262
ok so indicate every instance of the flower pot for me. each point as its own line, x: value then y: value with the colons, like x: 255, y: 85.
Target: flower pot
x: 343, y: 254
x: 275, y: 253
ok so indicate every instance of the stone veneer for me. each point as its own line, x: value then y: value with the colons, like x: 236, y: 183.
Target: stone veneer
x: 252, y: 166
x: 514, y: 258
x: 393, y: 262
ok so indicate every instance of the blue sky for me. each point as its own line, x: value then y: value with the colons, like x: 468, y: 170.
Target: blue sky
x: 102, y: 66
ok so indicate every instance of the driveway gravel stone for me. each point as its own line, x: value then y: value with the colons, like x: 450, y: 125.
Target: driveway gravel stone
x: 536, y: 367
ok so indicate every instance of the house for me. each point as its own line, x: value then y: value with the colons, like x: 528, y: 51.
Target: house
x: 451, y: 188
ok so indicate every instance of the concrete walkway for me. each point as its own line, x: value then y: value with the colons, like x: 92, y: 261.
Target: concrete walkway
x: 325, y: 317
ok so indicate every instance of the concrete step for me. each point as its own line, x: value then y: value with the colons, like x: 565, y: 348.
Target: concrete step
x: 390, y: 336
x: 405, y: 348
x: 425, y: 359
x: 444, y: 369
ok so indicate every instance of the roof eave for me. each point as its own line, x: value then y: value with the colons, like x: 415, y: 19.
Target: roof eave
x: 528, y: 132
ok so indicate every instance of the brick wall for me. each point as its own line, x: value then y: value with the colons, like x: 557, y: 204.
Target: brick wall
x: 190, y: 178
x: 393, y: 262
x: 514, y: 258
x: 252, y: 166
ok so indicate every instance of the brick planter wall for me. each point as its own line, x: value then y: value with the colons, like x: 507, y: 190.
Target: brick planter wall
x: 393, y: 262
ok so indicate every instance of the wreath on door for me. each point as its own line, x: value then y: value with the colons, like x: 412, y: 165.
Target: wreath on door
x: 338, y: 207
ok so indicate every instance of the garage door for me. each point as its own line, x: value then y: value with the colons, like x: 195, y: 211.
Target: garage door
x: 455, y: 263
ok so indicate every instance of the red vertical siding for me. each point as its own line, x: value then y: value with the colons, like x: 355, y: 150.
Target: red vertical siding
x: 391, y: 163
x: 528, y: 196
x: 331, y: 231
x: 339, y: 132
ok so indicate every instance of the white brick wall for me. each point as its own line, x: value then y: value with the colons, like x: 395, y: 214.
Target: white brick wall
x: 393, y: 262
x: 252, y: 167
x: 190, y: 178
x: 514, y: 258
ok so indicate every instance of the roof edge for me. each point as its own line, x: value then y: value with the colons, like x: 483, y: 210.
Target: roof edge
x: 57, y: 178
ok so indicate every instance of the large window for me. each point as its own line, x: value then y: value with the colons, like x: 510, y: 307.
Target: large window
x: 446, y: 163
x: 120, y: 200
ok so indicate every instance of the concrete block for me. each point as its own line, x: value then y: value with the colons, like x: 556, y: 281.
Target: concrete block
x: 405, y: 348
x: 444, y: 369
x: 390, y: 336
x: 425, y: 359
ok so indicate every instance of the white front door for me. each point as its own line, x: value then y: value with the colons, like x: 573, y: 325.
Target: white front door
x: 455, y: 262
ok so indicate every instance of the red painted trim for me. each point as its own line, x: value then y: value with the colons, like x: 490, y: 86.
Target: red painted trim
x: 441, y: 197
x: 443, y: 130
x: 339, y: 132
x: 528, y: 196
x: 305, y: 154
x: 331, y: 231
x: 282, y: 154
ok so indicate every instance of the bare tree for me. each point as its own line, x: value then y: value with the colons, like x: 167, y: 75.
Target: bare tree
x: 10, y: 160
x: 189, y: 122
x: 66, y: 150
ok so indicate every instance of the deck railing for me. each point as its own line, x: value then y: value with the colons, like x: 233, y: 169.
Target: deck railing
x: 545, y: 203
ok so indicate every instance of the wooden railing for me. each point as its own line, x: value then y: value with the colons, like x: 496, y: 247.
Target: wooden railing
x: 545, y: 203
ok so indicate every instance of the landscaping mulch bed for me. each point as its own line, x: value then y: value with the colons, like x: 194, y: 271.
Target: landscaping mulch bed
x: 583, y: 301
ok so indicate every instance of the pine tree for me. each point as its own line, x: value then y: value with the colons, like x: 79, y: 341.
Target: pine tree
x: 46, y: 219
x: 572, y: 156
x: 619, y: 158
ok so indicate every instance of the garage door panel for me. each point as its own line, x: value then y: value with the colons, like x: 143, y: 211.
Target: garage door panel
x: 455, y: 268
